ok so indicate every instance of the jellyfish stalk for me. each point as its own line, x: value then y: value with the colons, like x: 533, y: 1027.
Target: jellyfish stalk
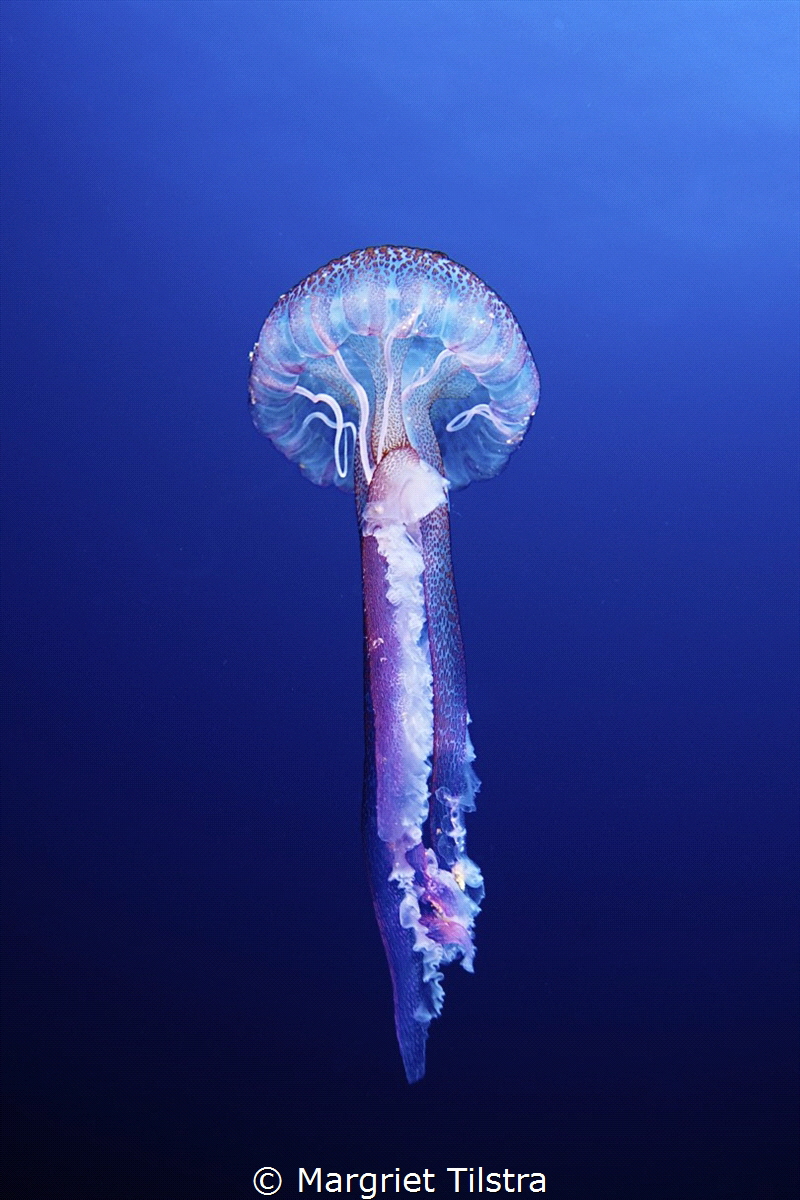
x: 404, y: 348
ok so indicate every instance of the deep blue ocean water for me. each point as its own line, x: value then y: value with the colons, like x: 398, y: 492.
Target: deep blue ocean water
x: 195, y: 986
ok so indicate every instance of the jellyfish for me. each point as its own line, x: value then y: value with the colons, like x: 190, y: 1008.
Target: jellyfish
x: 397, y: 374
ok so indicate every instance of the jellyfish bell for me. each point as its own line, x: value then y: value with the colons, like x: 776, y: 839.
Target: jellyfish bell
x: 387, y: 347
x: 398, y: 374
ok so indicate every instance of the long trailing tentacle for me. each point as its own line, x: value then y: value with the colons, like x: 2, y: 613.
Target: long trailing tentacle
x: 418, y: 777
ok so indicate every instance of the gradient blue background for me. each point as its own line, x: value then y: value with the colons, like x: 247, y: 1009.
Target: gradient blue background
x: 195, y: 984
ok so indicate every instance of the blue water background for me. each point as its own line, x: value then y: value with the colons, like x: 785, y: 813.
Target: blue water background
x: 195, y: 984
